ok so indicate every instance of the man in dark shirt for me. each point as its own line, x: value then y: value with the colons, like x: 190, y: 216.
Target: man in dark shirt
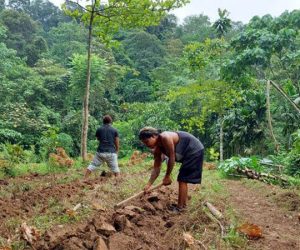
x: 108, y: 148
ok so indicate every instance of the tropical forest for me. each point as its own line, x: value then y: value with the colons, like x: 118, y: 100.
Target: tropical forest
x: 233, y: 86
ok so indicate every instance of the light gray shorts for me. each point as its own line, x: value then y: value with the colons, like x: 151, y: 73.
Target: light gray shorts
x: 110, y: 158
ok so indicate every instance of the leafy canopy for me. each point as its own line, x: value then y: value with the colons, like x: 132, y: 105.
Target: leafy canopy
x: 110, y: 16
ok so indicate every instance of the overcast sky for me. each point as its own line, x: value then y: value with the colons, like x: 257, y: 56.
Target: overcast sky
x: 240, y: 10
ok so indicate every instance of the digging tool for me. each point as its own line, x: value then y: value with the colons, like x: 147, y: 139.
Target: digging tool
x: 124, y: 202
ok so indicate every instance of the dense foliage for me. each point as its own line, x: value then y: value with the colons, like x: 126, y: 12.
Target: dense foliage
x: 202, y: 77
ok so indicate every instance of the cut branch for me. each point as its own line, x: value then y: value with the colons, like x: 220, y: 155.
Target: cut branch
x: 213, y: 218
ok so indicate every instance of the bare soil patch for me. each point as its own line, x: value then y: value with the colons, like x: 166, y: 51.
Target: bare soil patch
x: 280, y: 227
x: 147, y: 223
x: 28, y: 203
x: 288, y: 200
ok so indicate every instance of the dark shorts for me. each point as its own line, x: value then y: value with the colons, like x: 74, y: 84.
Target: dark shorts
x: 191, y: 168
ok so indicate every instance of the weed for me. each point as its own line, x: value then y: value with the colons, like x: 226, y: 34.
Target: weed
x: 71, y: 177
x: 52, y: 202
x: 19, y: 245
x: 235, y: 239
x: 13, y: 223
x: 43, y: 222
x: 25, y: 187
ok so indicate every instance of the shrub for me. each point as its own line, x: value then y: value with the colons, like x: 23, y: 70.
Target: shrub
x: 293, y: 167
x: 212, y: 154
x: 65, y: 141
x: 51, y: 139
x: 12, y: 136
x: 230, y: 166
x: 12, y: 154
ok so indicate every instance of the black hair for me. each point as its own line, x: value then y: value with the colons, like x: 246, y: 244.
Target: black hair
x: 148, y: 132
x: 107, y: 119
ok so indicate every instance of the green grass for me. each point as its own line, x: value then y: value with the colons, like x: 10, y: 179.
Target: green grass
x: 43, y: 168
x: 234, y: 239
x: 57, y: 215
x: 15, y: 245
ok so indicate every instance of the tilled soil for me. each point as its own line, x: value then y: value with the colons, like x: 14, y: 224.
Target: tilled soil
x: 144, y: 224
x: 149, y: 223
x: 26, y: 204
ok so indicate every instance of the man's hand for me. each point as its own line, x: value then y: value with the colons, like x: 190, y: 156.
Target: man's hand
x: 167, y: 180
x: 147, y: 187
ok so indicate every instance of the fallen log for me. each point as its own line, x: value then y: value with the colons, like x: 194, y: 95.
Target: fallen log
x: 124, y: 202
x: 252, y: 174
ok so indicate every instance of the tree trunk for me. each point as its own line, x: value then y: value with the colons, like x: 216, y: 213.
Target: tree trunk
x: 269, y: 118
x: 221, y: 139
x: 85, y: 111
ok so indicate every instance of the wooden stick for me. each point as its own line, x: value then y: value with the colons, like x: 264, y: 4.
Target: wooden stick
x: 216, y: 215
x: 122, y: 203
x: 213, y: 218
x: 213, y: 210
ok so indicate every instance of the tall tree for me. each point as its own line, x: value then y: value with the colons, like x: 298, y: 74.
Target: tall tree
x: 166, y: 27
x: 2, y: 5
x: 19, y: 5
x: 65, y: 40
x: 223, y: 24
x: 268, y: 49
x: 46, y: 13
x: 22, y: 35
x: 195, y: 29
x: 146, y: 51
x: 104, y: 19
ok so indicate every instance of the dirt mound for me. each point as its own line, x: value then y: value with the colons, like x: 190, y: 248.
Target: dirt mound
x: 137, y: 157
x: 288, y: 200
x: 4, y: 182
x: 144, y: 224
x: 26, y: 203
x: 209, y: 165
x: 60, y: 158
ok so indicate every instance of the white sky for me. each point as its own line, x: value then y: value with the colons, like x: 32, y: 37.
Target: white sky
x: 240, y: 10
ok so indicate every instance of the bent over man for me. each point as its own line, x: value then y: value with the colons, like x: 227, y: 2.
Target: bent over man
x: 178, y: 146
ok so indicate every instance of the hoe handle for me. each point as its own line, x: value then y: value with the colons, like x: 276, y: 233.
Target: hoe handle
x: 122, y: 203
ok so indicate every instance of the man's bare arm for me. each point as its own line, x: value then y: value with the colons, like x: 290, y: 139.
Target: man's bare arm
x: 168, y: 145
x: 156, y: 168
x: 117, y: 144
